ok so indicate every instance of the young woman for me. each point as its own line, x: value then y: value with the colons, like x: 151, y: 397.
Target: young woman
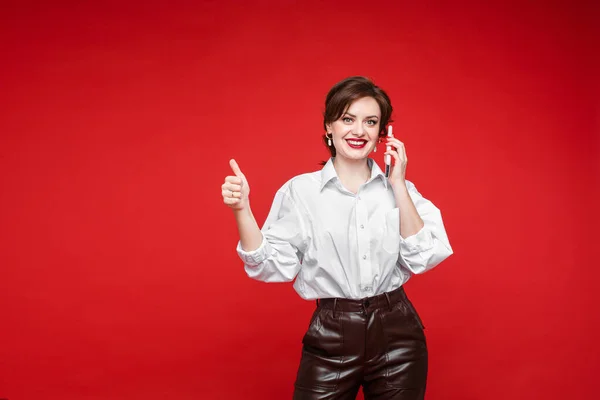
x: 350, y: 238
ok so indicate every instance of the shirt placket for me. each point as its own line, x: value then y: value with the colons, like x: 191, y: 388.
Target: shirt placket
x: 364, y: 251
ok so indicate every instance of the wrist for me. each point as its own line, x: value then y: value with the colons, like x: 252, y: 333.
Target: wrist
x: 399, y: 184
x: 242, y: 212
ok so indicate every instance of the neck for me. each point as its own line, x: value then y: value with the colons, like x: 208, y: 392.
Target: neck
x: 352, y: 170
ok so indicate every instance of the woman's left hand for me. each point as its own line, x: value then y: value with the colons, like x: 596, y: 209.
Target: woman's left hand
x: 398, y: 153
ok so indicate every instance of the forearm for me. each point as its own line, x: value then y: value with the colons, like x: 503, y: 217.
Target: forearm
x: 250, y: 235
x: 410, y: 221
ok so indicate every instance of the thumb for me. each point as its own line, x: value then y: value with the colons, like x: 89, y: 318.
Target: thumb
x: 235, y: 168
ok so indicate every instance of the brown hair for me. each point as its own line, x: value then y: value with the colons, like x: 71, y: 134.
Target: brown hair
x: 344, y: 93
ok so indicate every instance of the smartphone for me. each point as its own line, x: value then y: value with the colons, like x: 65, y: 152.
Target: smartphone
x: 387, y: 159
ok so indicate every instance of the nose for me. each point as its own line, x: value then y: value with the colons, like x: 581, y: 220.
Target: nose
x: 359, y: 129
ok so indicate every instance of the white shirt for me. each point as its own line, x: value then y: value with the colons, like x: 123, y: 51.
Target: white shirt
x: 339, y: 244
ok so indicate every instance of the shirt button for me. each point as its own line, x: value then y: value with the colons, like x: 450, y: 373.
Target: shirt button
x: 362, y: 227
x: 365, y: 257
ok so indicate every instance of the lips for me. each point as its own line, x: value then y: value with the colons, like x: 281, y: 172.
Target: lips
x: 356, y: 143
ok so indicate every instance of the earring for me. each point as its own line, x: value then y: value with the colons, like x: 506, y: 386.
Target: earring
x: 328, y: 140
x: 375, y: 148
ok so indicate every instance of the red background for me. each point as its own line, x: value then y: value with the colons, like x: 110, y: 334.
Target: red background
x: 118, y: 272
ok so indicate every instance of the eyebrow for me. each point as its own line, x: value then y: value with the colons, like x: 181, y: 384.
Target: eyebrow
x: 370, y: 116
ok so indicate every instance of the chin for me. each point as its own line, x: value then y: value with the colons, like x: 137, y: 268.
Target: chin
x: 355, y: 156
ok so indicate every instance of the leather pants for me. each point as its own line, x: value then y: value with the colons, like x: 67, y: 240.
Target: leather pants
x: 376, y: 342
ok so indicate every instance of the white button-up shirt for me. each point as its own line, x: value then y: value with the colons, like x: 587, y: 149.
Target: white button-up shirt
x: 335, y: 243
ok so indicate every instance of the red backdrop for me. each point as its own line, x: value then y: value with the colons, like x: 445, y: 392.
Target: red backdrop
x: 118, y: 272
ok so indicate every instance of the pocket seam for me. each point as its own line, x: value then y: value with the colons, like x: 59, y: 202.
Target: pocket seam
x: 414, y: 314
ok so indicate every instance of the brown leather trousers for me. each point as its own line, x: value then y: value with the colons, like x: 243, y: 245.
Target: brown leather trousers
x: 376, y: 342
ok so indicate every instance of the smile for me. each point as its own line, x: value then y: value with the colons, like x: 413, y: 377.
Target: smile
x: 356, y: 143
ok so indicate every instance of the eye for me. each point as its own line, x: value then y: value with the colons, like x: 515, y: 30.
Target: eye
x: 347, y: 120
x: 372, y: 122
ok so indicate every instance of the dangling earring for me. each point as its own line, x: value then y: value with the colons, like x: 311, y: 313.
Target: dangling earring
x: 328, y: 140
x: 375, y: 148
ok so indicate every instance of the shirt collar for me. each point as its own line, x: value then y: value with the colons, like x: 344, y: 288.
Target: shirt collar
x: 328, y: 172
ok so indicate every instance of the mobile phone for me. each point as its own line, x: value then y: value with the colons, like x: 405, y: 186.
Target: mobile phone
x: 387, y: 159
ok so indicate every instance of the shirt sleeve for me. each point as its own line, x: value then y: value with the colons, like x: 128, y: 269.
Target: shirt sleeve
x: 428, y: 247
x: 278, y: 258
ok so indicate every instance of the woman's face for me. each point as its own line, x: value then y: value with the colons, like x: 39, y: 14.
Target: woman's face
x: 356, y: 132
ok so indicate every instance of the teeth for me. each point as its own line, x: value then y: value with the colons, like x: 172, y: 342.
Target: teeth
x: 356, y: 143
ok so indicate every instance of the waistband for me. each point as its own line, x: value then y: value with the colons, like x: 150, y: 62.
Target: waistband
x: 358, y: 305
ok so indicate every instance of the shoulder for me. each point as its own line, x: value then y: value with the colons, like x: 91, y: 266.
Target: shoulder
x: 302, y: 184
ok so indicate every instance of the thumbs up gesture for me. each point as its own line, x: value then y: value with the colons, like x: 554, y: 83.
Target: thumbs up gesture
x: 235, y: 190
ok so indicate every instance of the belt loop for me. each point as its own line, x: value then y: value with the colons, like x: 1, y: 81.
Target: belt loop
x: 334, y: 304
x: 387, y: 296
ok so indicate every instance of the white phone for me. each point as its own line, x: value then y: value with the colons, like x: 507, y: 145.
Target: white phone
x: 387, y: 159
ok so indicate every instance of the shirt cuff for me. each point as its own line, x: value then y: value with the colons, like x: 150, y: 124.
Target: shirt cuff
x: 254, y: 257
x: 419, y: 242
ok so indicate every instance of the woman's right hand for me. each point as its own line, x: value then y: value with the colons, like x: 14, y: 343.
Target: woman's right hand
x: 235, y: 190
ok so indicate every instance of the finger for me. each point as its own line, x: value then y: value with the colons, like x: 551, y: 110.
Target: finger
x: 230, y: 193
x: 234, y: 179
x: 399, y: 149
x: 232, y: 187
x: 392, y: 150
x: 229, y: 201
x: 235, y: 168
x: 395, y: 143
x: 393, y: 154
x: 403, y: 150
x: 393, y: 138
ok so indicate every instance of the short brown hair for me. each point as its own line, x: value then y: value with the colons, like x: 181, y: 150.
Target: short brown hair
x: 344, y: 93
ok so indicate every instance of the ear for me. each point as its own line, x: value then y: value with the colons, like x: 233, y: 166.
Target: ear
x: 328, y: 126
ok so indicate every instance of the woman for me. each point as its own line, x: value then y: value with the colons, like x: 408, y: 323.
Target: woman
x: 350, y: 238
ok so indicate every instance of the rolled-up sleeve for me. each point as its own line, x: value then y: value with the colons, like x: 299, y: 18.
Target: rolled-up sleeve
x: 278, y: 258
x: 430, y: 245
